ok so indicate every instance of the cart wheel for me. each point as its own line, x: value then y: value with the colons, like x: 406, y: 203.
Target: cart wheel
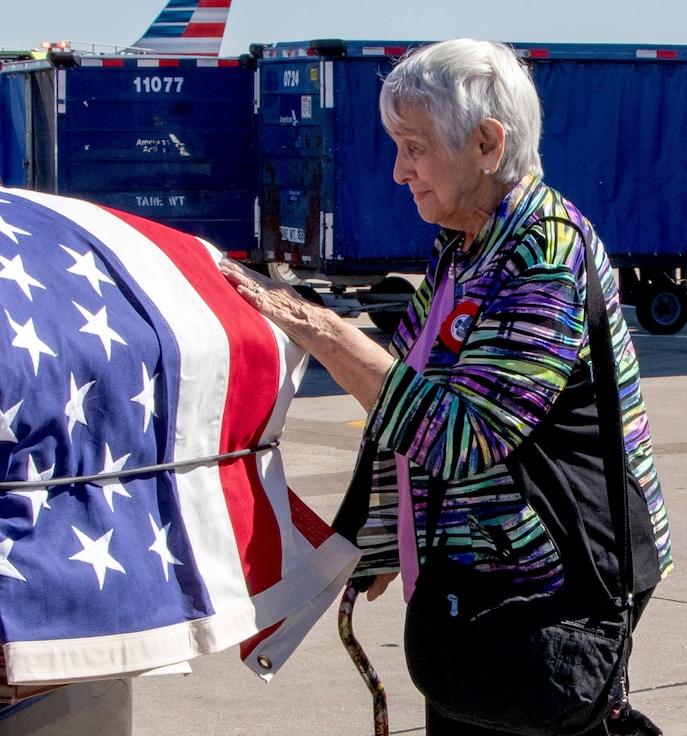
x: 283, y: 273
x: 389, y: 289
x: 307, y: 292
x: 662, y: 308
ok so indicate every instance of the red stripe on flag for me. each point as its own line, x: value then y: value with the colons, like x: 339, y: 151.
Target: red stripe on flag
x: 308, y: 524
x: 247, y: 647
x: 252, y: 391
x: 204, y: 30
x: 316, y: 532
x: 214, y: 4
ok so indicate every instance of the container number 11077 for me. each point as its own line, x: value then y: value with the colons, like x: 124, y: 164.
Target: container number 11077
x: 158, y: 84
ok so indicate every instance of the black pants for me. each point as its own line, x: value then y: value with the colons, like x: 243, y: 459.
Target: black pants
x: 437, y: 725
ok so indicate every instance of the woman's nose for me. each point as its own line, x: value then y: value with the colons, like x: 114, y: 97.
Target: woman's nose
x: 402, y: 172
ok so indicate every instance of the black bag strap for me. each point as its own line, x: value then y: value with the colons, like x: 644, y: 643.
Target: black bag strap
x: 610, y: 417
x: 353, y: 510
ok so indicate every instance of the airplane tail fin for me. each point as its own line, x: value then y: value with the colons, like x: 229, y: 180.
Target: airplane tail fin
x: 187, y: 27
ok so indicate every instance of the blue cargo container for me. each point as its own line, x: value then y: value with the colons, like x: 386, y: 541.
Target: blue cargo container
x: 13, y: 129
x: 613, y: 142
x: 329, y: 207
x: 328, y: 202
x: 177, y: 140
x: 162, y: 137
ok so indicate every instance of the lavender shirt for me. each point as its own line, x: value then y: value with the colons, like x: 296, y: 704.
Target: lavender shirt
x: 442, y: 305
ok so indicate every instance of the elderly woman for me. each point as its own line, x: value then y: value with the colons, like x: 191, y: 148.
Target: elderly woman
x: 493, y: 336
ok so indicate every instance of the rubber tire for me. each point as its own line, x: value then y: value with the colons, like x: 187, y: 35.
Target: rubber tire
x: 283, y: 274
x: 662, y: 310
x: 307, y: 292
x: 387, y: 322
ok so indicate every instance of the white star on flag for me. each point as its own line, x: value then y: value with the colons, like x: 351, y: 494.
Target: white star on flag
x: 14, y: 271
x: 112, y: 486
x: 6, y: 567
x: 37, y: 496
x: 74, y: 408
x: 147, y: 397
x: 85, y: 265
x: 96, y: 552
x: 6, y: 419
x: 9, y: 230
x: 27, y: 338
x: 159, y: 546
x: 96, y: 324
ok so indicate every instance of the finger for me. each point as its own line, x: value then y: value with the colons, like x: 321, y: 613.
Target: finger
x: 373, y: 594
x: 243, y: 281
x: 377, y: 588
x: 232, y: 271
x: 226, y: 264
x: 244, y: 278
x: 253, y: 293
x: 375, y: 591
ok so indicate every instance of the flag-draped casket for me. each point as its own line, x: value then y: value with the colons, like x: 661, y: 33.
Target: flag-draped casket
x: 128, y: 365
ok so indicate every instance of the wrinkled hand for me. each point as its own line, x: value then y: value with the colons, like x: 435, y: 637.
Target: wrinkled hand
x: 266, y: 295
x: 280, y: 303
x: 379, y: 585
x: 356, y: 362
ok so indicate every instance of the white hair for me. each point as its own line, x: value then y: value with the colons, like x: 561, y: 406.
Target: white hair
x: 461, y: 82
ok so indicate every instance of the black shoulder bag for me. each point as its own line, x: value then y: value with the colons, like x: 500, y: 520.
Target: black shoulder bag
x: 552, y: 665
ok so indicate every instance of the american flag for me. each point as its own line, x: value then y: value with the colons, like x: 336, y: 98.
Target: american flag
x: 122, y: 347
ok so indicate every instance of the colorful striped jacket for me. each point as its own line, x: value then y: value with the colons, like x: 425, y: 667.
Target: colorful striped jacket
x: 459, y: 420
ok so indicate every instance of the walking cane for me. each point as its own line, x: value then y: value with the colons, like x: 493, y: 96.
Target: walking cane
x: 356, y: 653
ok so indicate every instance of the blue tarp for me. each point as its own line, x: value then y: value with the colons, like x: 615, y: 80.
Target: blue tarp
x: 614, y: 142
x: 12, y: 130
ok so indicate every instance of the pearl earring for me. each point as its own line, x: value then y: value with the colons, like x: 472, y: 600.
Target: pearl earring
x: 486, y: 171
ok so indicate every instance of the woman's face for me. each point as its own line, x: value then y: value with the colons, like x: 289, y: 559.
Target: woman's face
x: 446, y: 186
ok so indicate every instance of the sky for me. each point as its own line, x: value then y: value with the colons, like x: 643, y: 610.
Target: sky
x: 26, y: 23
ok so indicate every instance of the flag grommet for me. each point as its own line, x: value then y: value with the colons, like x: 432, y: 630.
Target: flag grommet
x: 265, y: 662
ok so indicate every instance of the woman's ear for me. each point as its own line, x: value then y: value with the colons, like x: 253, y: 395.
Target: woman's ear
x: 492, y: 143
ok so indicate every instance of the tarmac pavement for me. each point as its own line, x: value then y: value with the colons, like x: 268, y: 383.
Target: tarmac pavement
x: 319, y: 691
